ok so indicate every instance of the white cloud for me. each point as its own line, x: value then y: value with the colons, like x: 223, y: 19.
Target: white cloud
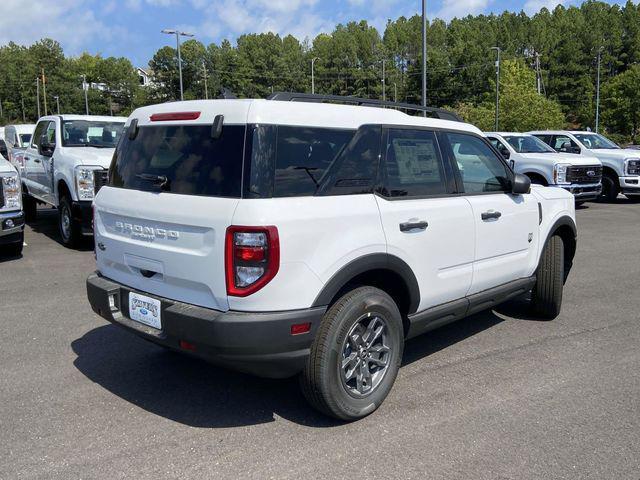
x: 71, y: 22
x: 461, y: 8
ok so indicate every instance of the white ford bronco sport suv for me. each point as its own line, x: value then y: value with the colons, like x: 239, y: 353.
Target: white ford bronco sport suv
x: 580, y: 175
x: 64, y: 166
x: 11, y: 216
x: 621, y: 166
x: 284, y: 237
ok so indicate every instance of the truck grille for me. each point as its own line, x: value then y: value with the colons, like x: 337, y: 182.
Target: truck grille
x: 586, y: 174
x: 100, y: 179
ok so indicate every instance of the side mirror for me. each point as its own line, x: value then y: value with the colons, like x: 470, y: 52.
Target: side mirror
x: 46, y: 149
x: 521, y: 184
x: 506, y: 154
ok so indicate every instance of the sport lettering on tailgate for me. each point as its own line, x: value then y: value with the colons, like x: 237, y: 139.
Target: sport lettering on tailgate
x: 143, y: 232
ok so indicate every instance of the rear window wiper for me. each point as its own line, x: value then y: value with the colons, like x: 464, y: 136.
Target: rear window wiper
x: 308, y: 170
x: 160, y: 180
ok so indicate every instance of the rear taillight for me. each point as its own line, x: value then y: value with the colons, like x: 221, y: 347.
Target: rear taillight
x: 252, y: 258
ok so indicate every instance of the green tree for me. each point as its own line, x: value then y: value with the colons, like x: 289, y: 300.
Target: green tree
x: 621, y: 104
x: 521, y: 107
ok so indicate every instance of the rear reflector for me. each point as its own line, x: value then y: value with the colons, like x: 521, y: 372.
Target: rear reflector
x: 168, y: 117
x: 187, y: 346
x: 300, y: 328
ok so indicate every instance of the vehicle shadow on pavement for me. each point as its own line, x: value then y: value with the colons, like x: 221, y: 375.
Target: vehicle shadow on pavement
x: 46, y: 224
x: 195, y: 393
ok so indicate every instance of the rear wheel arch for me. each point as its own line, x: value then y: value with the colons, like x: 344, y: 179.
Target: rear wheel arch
x: 381, y: 270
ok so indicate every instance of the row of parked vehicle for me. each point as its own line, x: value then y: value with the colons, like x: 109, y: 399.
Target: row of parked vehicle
x: 294, y: 235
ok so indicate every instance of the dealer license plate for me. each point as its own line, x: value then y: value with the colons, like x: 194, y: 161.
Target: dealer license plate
x: 145, y: 310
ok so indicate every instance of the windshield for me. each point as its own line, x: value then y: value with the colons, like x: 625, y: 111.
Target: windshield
x: 528, y: 144
x: 595, y: 141
x: 25, y: 139
x: 83, y: 133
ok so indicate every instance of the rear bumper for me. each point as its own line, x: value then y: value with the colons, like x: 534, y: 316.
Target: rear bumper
x: 11, y: 227
x: 83, y: 214
x: 584, y: 192
x: 256, y: 343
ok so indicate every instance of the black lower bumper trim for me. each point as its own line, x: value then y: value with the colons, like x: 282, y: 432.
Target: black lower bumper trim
x: 83, y: 214
x: 257, y: 343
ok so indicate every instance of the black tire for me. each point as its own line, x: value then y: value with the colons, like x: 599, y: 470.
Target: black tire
x: 14, y: 249
x: 30, y: 206
x: 70, y: 233
x: 610, y: 187
x: 633, y: 198
x: 323, y: 382
x: 547, y: 293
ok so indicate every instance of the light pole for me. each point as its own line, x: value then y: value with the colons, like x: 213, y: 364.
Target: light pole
x: 384, y: 86
x: 57, y: 103
x: 85, y: 87
x: 313, y: 79
x: 395, y: 92
x: 206, y: 91
x: 178, y: 34
x: 598, y: 91
x: 38, y: 95
x: 497, y: 49
x: 424, y: 55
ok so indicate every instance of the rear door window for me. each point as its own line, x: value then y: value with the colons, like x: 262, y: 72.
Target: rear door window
x: 413, y: 165
x: 182, y: 159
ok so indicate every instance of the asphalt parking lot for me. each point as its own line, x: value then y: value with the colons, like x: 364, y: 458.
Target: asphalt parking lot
x: 498, y: 395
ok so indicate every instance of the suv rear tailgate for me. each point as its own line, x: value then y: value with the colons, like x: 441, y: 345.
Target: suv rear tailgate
x: 164, y: 244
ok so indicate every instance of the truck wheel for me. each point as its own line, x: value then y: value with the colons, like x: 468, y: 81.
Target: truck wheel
x: 68, y: 226
x: 15, y: 249
x: 30, y: 207
x: 547, y: 292
x: 356, y: 355
x: 610, y: 187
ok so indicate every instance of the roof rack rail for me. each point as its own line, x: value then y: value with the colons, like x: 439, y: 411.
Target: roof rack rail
x: 365, y: 102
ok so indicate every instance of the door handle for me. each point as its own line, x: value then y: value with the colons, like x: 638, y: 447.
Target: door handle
x: 491, y: 214
x: 36, y: 160
x: 411, y: 226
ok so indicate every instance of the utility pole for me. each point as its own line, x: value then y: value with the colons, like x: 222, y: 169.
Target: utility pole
x: 178, y: 34
x: 24, y: 116
x: 538, y: 74
x: 206, y: 91
x: 313, y: 79
x: 395, y: 92
x: 85, y: 87
x: 57, y: 104
x: 598, y: 91
x: 38, y: 95
x: 424, y: 55
x: 497, y: 49
x: 1, y: 115
x: 44, y: 91
x: 384, y: 86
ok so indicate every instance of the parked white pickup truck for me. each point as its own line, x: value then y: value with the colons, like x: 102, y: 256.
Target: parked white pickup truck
x: 17, y: 139
x: 544, y: 166
x: 11, y: 216
x: 65, y: 165
x: 621, y: 166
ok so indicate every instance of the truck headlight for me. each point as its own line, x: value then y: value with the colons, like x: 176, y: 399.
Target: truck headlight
x: 560, y: 173
x: 12, y: 191
x: 85, y: 184
x: 632, y: 166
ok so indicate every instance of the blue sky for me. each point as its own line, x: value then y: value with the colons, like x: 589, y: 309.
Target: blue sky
x: 131, y: 28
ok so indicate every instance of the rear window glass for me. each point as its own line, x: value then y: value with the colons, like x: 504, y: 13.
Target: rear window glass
x: 181, y: 159
x: 291, y: 161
